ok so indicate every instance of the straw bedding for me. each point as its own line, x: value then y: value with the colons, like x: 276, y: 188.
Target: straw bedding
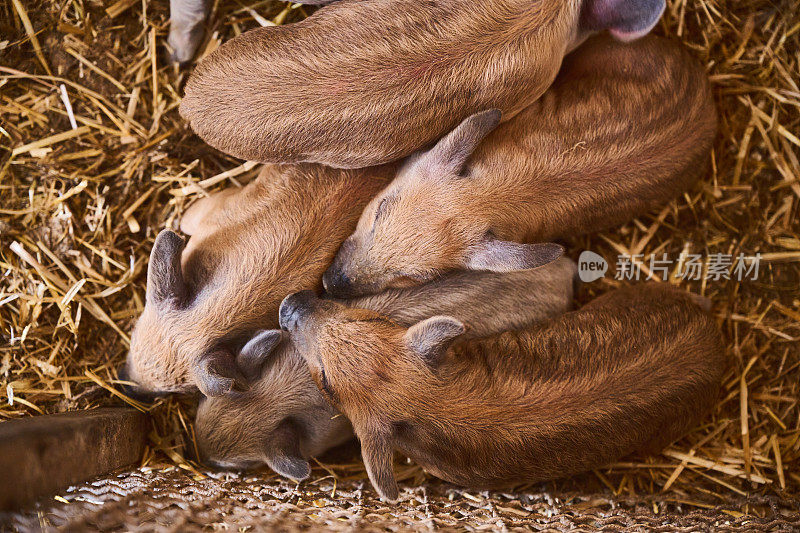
x: 82, y: 203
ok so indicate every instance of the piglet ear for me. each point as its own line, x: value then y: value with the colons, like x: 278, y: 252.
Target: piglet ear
x: 626, y: 20
x: 251, y: 358
x: 283, y: 453
x: 377, y: 454
x: 451, y: 153
x: 216, y: 374
x: 165, y: 284
x: 293, y: 467
x: 431, y: 337
x: 504, y: 256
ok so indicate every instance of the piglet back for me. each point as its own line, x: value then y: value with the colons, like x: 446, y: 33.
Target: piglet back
x: 682, y: 349
x: 645, y: 364
x: 624, y: 128
x: 633, y: 370
x: 361, y: 83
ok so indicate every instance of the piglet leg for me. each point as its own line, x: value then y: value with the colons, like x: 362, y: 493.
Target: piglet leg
x: 377, y: 454
x: 187, y: 18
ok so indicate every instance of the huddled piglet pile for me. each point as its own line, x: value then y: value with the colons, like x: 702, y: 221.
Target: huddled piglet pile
x: 390, y: 275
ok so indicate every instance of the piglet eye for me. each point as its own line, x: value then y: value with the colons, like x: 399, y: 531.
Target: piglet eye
x: 378, y: 319
x: 381, y: 208
x: 326, y: 386
x: 404, y: 281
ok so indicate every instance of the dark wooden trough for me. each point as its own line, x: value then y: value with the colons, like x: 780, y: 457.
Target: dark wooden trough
x: 42, y: 454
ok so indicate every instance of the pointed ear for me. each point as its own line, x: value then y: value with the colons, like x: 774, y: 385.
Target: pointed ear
x: 293, y: 467
x: 452, y: 152
x: 284, y: 454
x: 505, y: 256
x: 431, y: 337
x: 216, y: 374
x: 377, y: 454
x: 251, y: 358
x: 626, y: 20
x: 165, y: 284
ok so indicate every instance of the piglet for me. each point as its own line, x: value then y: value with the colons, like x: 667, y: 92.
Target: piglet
x: 249, y: 248
x: 624, y: 128
x: 634, y: 369
x: 364, y: 82
x: 283, y: 419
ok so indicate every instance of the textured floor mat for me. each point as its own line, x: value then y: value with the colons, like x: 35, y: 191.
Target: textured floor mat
x: 173, y: 500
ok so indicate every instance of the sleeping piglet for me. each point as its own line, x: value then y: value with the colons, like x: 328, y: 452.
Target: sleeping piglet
x: 634, y: 369
x: 283, y: 419
x: 364, y: 82
x: 249, y: 248
x: 624, y: 128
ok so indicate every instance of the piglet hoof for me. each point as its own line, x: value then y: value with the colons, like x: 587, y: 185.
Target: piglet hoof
x: 183, y: 43
x: 391, y: 498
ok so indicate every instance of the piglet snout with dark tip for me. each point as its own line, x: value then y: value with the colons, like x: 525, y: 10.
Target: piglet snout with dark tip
x: 293, y: 308
x: 337, y: 283
x: 131, y: 391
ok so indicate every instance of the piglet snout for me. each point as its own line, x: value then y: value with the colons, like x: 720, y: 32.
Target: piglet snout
x: 132, y: 391
x: 337, y: 283
x: 294, y: 308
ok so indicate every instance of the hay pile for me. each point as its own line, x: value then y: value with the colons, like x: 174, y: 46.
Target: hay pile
x: 94, y: 161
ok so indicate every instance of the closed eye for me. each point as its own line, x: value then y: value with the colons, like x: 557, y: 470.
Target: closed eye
x: 382, y: 209
x: 413, y: 277
x: 378, y: 319
x: 404, y: 281
x: 326, y: 386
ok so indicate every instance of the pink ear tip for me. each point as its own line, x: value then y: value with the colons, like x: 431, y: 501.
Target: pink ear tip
x: 627, y: 37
